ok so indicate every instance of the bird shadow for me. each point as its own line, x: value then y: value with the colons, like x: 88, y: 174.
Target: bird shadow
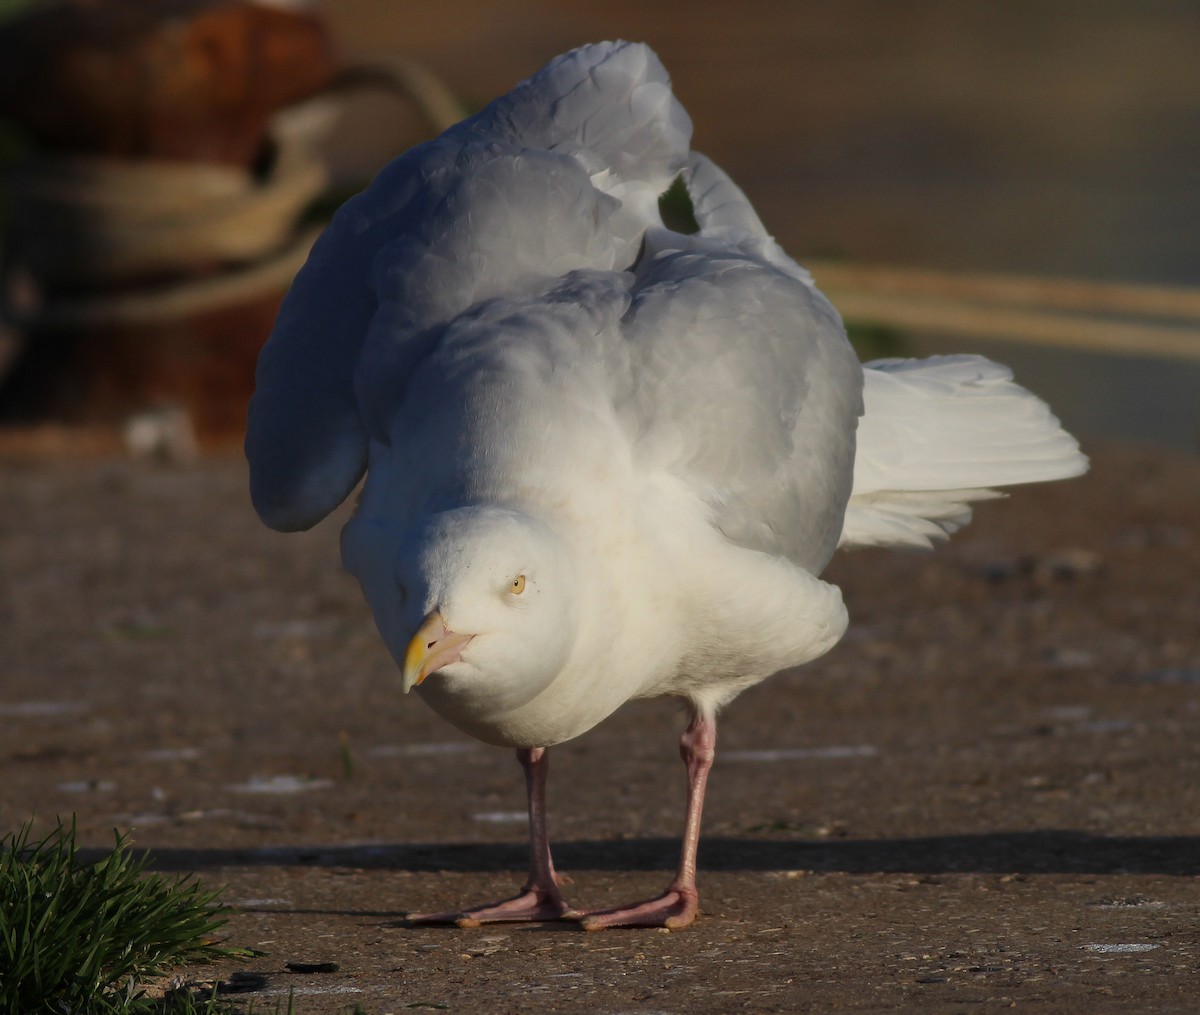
x: 1030, y: 852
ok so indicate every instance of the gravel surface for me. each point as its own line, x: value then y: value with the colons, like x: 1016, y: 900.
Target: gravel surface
x: 986, y: 796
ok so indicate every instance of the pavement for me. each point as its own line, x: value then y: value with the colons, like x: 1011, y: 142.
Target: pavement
x: 985, y: 797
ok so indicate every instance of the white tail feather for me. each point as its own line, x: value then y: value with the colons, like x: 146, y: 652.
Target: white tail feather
x: 939, y: 433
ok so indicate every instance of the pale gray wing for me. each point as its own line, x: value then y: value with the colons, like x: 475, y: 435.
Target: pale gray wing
x: 746, y: 388
x: 745, y: 383
x: 304, y: 439
x: 610, y: 106
x: 550, y: 178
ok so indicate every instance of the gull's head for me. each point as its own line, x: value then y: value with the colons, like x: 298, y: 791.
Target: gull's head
x: 476, y: 607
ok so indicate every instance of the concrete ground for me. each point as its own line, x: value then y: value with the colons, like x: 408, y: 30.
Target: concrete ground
x: 985, y: 797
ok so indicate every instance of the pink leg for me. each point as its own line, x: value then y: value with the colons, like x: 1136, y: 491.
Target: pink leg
x: 677, y: 906
x: 540, y: 898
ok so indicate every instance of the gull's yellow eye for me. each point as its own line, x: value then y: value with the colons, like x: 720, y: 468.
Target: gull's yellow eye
x: 518, y: 585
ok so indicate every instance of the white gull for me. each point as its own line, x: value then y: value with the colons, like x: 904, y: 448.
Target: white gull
x: 604, y: 460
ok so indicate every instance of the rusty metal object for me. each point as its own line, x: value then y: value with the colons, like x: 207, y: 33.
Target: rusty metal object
x: 154, y: 231
x: 161, y: 166
x: 195, y: 80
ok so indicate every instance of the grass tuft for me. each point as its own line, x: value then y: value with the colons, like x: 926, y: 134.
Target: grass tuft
x: 80, y: 937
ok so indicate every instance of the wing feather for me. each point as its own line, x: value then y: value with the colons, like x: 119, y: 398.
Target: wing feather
x: 938, y: 434
x: 560, y: 174
x: 746, y: 387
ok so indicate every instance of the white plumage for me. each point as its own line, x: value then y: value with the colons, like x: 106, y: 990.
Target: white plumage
x: 603, y: 460
x: 937, y: 434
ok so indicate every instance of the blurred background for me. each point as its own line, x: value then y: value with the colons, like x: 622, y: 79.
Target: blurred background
x: 1017, y: 179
